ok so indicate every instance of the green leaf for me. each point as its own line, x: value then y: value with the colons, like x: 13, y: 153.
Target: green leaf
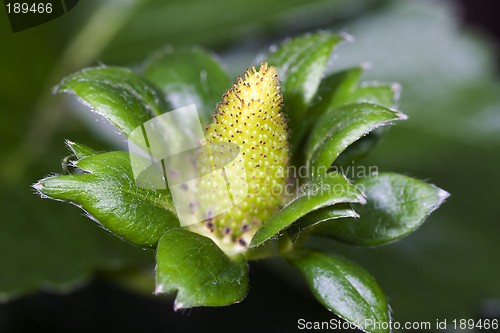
x: 337, y: 88
x: 343, y: 88
x: 396, y: 206
x: 301, y: 63
x: 108, y: 193
x: 360, y: 148
x: 326, y: 190
x: 332, y: 91
x: 199, y: 270
x: 120, y: 95
x: 340, y: 127
x: 344, y: 288
x: 374, y: 93
x: 79, y: 150
x: 319, y: 216
x: 188, y: 76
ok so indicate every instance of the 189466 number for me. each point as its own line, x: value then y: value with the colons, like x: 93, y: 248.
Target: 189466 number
x: 24, y: 8
x: 471, y: 324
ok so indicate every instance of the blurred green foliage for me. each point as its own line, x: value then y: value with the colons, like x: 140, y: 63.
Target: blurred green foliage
x: 449, y: 91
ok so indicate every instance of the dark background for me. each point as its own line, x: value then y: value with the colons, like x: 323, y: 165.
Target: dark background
x: 102, y: 305
x: 484, y: 15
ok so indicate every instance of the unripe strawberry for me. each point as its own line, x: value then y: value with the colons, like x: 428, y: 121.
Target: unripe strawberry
x: 250, y: 117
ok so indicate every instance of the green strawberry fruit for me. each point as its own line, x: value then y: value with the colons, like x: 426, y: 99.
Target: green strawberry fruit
x: 250, y: 118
